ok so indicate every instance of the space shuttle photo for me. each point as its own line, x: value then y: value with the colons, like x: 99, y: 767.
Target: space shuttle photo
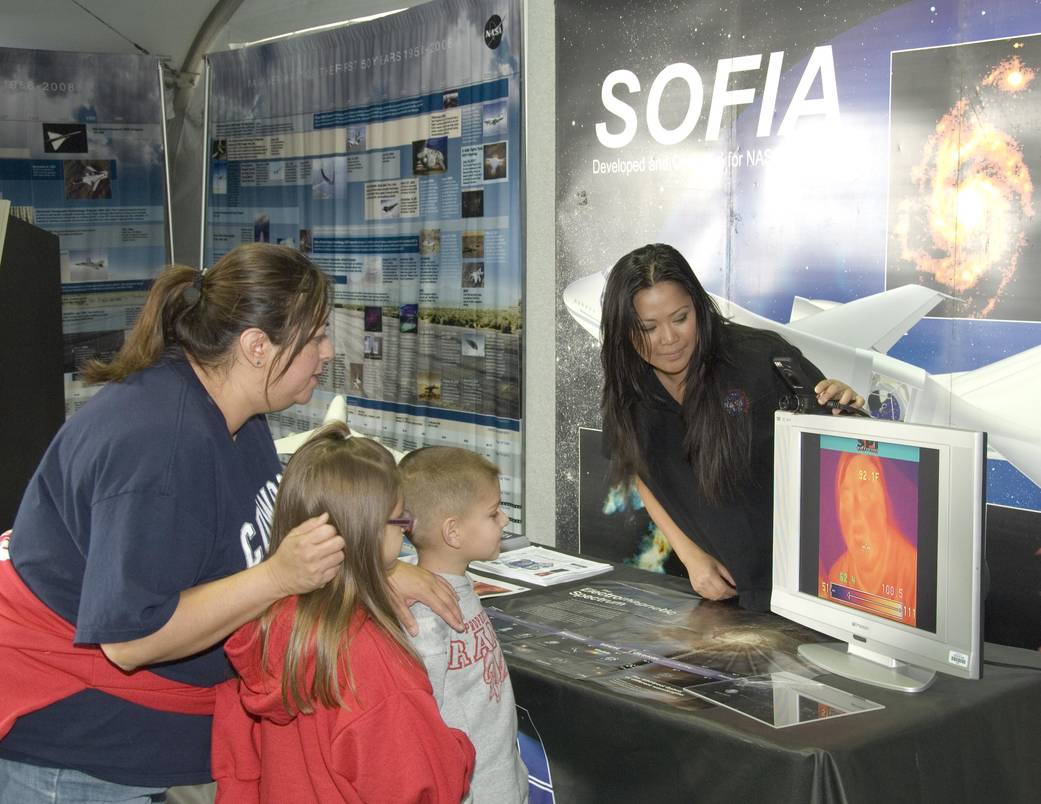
x: 850, y: 342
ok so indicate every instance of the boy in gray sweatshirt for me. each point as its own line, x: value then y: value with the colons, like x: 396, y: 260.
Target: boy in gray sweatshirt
x: 454, y: 495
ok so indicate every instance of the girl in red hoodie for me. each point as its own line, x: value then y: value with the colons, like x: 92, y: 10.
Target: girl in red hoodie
x: 332, y: 704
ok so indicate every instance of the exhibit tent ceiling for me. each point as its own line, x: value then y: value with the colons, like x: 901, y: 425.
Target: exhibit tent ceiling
x: 167, y: 28
x: 160, y: 27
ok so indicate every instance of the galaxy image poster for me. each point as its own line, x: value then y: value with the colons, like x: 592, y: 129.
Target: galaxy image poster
x: 819, y: 151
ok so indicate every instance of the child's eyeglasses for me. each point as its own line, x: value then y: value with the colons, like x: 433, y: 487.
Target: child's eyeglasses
x: 406, y: 522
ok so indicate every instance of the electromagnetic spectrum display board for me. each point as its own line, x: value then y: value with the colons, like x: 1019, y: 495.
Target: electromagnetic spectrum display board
x: 860, y: 177
x: 82, y: 155
x: 390, y: 153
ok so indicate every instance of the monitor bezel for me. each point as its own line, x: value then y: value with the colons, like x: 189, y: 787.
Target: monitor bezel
x: 955, y: 647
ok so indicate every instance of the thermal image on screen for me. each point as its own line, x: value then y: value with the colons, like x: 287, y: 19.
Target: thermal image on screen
x: 868, y: 548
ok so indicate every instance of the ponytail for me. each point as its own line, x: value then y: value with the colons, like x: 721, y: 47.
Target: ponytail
x: 273, y: 288
x: 148, y: 340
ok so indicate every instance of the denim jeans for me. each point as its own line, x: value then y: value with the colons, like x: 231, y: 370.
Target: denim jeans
x: 21, y: 783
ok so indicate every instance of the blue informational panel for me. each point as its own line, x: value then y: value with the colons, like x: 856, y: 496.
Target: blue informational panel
x: 390, y: 153
x: 82, y: 156
x: 860, y: 177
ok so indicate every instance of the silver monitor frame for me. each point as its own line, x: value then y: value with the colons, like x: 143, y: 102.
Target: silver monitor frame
x: 956, y: 646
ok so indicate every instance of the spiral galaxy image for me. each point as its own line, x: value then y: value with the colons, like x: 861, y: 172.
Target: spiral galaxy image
x: 962, y: 212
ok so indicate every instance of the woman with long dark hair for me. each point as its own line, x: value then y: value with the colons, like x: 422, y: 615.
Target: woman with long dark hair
x: 688, y: 406
x: 139, y: 541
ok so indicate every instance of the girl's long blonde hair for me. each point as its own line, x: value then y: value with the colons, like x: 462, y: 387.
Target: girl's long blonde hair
x: 356, y: 482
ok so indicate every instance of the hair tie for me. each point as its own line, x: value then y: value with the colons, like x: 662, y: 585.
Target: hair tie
x: 193, y: 292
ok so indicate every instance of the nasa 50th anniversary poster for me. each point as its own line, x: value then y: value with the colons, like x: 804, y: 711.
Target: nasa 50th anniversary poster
x: 871, y: 162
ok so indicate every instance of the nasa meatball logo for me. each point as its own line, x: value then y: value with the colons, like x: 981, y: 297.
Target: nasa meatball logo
x: 735, y: 402
x: 493, y: 31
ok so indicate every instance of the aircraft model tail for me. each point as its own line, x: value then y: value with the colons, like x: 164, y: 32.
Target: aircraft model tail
x: 804, y: 308
x: 336, y: 412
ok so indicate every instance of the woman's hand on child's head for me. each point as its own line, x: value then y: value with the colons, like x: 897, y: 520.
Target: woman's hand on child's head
x: 308, y: 558
x: 410, y: 584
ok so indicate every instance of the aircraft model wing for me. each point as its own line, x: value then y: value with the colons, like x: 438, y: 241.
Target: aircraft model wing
x: 1009, y: 387
x: 872, y: 322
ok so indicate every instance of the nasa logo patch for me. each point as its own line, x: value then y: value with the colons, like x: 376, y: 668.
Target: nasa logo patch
x: 735, y: 402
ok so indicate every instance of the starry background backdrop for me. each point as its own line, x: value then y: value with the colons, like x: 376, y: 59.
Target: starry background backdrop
x: 806, y: 214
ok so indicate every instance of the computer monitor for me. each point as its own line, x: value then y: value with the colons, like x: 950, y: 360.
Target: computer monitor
x: 878, y: 542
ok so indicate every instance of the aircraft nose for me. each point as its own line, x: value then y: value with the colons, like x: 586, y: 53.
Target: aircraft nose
x: 582, y: 298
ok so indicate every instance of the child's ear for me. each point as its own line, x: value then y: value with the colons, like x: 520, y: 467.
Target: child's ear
x: 450, y: 533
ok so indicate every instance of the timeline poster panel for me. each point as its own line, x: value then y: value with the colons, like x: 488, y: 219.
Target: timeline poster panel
x: 81, y: 155
x: 389, y: 152
x: 804, y: 156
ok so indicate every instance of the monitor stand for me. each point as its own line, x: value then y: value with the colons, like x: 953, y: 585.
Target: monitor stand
x: 860, y: 664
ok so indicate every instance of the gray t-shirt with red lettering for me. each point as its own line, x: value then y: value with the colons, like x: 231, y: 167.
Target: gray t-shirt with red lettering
x: 472, y: 688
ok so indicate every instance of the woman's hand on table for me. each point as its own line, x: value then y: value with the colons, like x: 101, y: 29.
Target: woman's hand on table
x: 708, y: 577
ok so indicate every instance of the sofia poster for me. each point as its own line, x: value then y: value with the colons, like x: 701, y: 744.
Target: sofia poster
x: 858, y: 176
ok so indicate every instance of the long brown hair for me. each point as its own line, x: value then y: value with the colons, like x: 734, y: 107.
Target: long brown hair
x: 715, y: 444
x: 273, y: 288
x: 356, y: 482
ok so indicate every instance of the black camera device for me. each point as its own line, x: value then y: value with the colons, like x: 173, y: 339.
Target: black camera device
x: 801, y: 397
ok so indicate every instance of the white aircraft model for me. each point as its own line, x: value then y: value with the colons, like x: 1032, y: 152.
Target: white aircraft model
x: 475, y: 276
x: 849, y: 342
x: 336, y: 412
x: 93, y: 178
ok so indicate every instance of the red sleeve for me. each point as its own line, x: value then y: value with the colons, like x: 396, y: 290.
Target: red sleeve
x: 402, y: 751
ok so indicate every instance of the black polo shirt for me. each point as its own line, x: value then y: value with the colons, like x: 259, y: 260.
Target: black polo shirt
x: 738, y: 532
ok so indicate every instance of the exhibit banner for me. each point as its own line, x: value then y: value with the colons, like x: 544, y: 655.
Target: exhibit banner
x: 82, y: 155
x: 389, y: 152
x: 856, y: 176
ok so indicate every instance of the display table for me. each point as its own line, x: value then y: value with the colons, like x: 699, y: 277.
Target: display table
x: 607, y: 669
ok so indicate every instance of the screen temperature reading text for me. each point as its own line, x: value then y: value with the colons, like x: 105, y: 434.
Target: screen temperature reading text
x: 869, y: 511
